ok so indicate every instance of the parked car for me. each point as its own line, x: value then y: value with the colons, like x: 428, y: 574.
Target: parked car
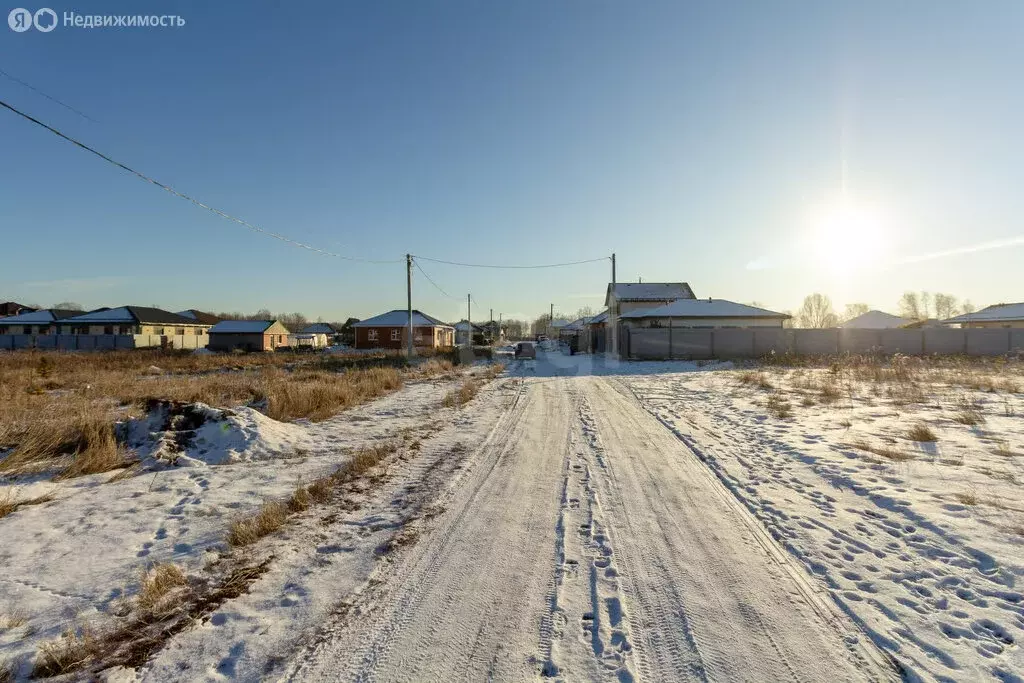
x: 526, y: 350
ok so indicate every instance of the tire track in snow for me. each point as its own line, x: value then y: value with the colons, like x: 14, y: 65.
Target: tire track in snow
x: 467, y: 601
x: 698, y: 565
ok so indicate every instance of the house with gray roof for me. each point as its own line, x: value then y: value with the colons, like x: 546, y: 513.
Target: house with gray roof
x: 390, y: 331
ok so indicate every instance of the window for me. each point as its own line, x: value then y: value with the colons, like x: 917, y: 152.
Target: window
x: 158, y: 330
x: 180, y: 331
x: 3, y: 329
x: 372, y: 335
x: 109, y: 329
x: 27, y: 329
x: 42, y: 329
x: 125, y: 329
x: 396, y: 334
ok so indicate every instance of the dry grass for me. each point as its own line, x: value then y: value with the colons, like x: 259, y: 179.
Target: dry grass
x: 300, y: 500
x: 1003, y: 448
x: 9, y: 503
x: 756, y: 379
x: 778, y: 406
x: 969, y: 416
x: 966, y: 497
x: 922, y: 432
x: 463, y: 395
x: 321, y: 490
x: 886, y: 452
x: 12, y: 620
x: 270, y: 517
x: 159, y: 586
x: 67, y: 653
x: 57, y: 410
x: 319, y: 395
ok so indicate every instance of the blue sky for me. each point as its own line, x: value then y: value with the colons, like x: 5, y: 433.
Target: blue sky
x: 692, y: 139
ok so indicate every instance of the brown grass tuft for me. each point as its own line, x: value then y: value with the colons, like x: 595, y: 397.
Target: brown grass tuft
x: 159, y: 584
x: 884, y: 451
x: 299, y: 500
x: 9, y: 503
x: 463, y: 395
x: 756, y: 379
x: 778, y: 406
x: 270, y: 517
x: 969, y: 416
x: 67, y: 653
x: 12, y: 620
x: 922, y: 432
x: 321, y: 490
x: 966, y: 497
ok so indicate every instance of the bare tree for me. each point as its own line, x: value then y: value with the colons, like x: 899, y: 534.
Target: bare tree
x: 945, y: 306
x: 854, y: 310
x: 967, y: 307
x: 817, y: 312
x: 910, y: 306
x: 926, y: 304
x: 584, y: 312
x: 69, y: 306
x: 541, y: 323
x: 788, y: 322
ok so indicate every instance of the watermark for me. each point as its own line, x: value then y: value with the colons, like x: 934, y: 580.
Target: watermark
x: 45, y: 20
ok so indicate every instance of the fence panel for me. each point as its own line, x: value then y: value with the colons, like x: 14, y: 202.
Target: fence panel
x: 859, y: 341
x: 648, y: 343
x: 987, y: 342
x: 734, y: 343
x: 1017, y: 340
x: 909, y: 342
x: 774, y: 340
x: 816, y: 342
x: 945, y: 341
x: 691, y: 344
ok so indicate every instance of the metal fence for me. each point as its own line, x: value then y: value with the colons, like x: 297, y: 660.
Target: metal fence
x: 662, y: 343
x: 100, y: 342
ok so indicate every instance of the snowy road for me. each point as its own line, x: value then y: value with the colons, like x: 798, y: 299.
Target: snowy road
x: 585, y: 541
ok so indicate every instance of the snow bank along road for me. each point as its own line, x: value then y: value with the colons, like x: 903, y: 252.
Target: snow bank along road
x: 585, y: 541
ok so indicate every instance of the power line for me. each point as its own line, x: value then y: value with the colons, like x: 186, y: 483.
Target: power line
x: 40, y: 92
x: 431, y: 280
x: 187, y: 197
x: 493, y: 265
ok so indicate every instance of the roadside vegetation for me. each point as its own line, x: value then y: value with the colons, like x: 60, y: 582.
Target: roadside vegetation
x: 58, y: 410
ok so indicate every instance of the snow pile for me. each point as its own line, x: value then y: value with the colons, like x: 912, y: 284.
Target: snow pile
x: 195, y: 434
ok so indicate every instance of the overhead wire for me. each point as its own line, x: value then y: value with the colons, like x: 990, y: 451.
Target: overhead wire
x: 496, y: 265
x: 431, y: 281
x: 256, y: 228
x: 182, y: 195
x: 47, y: 96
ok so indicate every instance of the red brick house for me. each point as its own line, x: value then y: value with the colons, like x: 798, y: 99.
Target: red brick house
x: 389, y: 330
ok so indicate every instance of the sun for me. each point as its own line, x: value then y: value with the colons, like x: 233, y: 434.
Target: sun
x: 846, y: 237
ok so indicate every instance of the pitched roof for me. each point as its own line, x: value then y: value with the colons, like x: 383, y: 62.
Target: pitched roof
x: 601, y: 317
x: 200, y: 316
x: 13, y: 308
x: 318, y: 328
x: 996, y: 313
x: 875, y: 320
x: 47, y: 315
x: 399, y: 318
x: 463, y: 325
x: 704, y: 308
x: 241, y: 326
x: 129, y: 314
x: 648, y: 291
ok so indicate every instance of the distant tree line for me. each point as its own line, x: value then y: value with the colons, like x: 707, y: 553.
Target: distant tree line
x: 817, y: 310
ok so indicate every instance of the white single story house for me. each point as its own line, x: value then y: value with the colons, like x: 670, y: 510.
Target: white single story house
x: 998, y: 315
x: 703, y: 313
x: 875, y: 320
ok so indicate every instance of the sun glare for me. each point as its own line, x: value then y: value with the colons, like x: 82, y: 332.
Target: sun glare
x: 846, y: 237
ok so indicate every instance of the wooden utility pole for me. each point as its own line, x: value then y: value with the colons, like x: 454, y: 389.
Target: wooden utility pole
x: 490, y: 330
x: 551, y: 320
x: 469, y: 319
x: 613, y: 322
x: 408, y: 291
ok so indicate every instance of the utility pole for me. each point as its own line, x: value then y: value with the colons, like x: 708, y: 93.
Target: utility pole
x: 490, y: 330
x: 408, y: 291
x: 551, y: 320
x: 469, y: 319
x: 613, y: 322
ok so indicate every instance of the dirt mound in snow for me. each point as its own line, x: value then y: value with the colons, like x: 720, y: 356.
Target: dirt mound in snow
x: 191, y: 434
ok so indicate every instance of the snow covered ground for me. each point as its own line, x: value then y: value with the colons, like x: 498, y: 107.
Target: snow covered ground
x: 580, y: 519
x: 923, y: 545
x: 73, y: 561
